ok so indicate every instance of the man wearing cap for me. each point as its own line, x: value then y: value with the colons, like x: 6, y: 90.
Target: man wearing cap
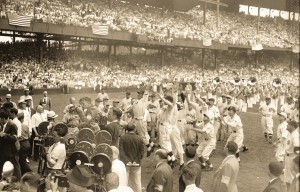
x: 29, y: 107
x: 79, y: 179
x: 190, y: 153
x: 282, y: 135
x: 216, y: 119
x: 72, y: 120
x: 126, y: 102
x: 153, y: 107
x: 169, y: 134
x: 225, y: 177
x: 291, y: 151
x: 267, y: 110
x: 22, y: 109
x: 288, y: 106
x: 190, y: 118
x: 99, y: 104
x: 8, y: 99
x: 102, y: 94
x: 26, y: 96
x: 234, y: 123
x: 46, y: 100
x: 275, y: 184
x: 8, y: 183
x: 131, y: 148
x: 139, y: 108
x: 295, y: 112
x: 207, y: 141
x: 116, y: 104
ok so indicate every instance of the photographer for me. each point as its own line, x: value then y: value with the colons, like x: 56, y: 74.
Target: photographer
x: 79, y: 178
x: 56, y: 154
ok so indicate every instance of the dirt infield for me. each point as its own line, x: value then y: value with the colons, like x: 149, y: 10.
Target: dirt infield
x: 253, y: 168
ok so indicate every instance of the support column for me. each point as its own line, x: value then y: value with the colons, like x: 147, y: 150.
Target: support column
x: 218, y: 12
x: 202, y: 61
x: 109, y: 55
x: 215, y: 58
x: 14, y: 37
x: 204, y: 14
x: 79, y: 44
x: 130, y: 50
x: 40, y: 46
x: 48, y: 44
x: 292, y: 61
x: 60, y: 45
x: 115, y: 50
x: 256, y: 59
x: 162, y: 57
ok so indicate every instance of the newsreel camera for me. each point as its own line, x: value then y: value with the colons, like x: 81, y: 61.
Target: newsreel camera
x: 91, y: 149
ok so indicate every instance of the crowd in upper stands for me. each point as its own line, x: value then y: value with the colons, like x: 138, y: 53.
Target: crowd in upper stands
x: 21, y: 67
x: 234, y: 28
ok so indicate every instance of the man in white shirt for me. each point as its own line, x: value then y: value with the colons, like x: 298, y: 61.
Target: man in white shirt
x: 288, y: 106
x: 15, y: 120
x: 267, y: 110
x: 282, y: 134
x: 126, y: 102
x: 118, y: 167
x: 189, y: 174
x: 102, y: 94
x: 26, y: 96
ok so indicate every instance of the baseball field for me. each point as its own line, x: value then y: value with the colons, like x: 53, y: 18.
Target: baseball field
x: 253, y: 171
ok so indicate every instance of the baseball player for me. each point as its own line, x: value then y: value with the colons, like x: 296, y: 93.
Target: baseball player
x: 234, y: 123
x: 267, y: 110
x: 295, y: 112
x: 288, y: 106
x: 282, y: 134
x: 169, y: 134
x: 207, y: 141
x: 139, y: 108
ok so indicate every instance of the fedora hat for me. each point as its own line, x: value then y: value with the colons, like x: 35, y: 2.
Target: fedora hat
x: 81, y: 176
x: 51, y: 115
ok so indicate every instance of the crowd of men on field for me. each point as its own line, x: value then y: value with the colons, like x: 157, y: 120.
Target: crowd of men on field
x: 184, y: 124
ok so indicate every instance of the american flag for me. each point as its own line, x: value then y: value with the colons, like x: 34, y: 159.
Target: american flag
x: 100, y: 29
x: 22, y: 21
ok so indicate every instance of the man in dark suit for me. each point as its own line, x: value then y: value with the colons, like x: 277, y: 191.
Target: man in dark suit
x: 114, y: 127
x: 275, y: 183
x: 46, y: 101
x: 132, y: 150
x: 190, y: 153
x: 162, y: 178
x: 8, y: 143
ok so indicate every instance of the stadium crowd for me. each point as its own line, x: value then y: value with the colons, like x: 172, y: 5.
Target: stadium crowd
x: 234, y: 28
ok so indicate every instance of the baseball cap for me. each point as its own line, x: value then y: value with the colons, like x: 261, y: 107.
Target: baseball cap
x: 140, y: 92
x: 211, y: 99
x: 152, y: 95
x: 105, y: 98
x: 116, y: 101
x: 283, y: 114
x: 8, y: 167
x: 190, y: 151
x: 128, y: 93
x: 209, y: 115
x: 98, y: 100
x: 228, y: 97
x: 276, y: 168
x: 8, y: 96
x: 21, y: 101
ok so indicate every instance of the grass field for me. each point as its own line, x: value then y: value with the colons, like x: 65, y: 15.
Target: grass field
x: 254, y: 164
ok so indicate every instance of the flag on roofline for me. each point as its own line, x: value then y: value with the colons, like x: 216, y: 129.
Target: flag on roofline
x: 19, y: 20
x: 100, y: 29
